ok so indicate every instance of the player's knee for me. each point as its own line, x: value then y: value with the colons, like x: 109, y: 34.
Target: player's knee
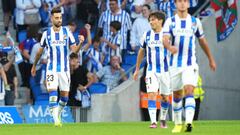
x: 152, y: 96
x: 165, y: 98
x: 178, y: 94
x: 188, y: 90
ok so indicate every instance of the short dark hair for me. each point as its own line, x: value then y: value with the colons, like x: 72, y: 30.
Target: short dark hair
x: 116, y: 25
x: 96, y: 39
x: 73, y: 56
x: 114, y: 0
x: 56, y: 10
x: 159, y: 15
x: 146, y: 5
x: 176, y: 1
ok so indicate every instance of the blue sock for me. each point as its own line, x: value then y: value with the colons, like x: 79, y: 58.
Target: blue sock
x: 53, y: 96
x: 164, y: 110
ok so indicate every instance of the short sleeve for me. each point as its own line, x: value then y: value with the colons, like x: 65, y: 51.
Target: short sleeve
x: 43, y: 41
x: 142, y: 41
x: 71, y: 37
x: 167, y: 27
x: 199, y: 32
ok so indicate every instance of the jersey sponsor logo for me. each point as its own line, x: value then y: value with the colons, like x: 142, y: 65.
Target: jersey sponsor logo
x: 156, y: 42
x: 58, y: 42
x: 183, y: 32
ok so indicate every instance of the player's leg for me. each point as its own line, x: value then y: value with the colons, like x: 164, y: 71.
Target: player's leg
x: 165, y: 92
x: 164, y: 110
x: 52, y: 85
x: 152, y: 89
x: 64, y: 85
x: 176, y: 86
x: 177, y: 110
x: 190, y: 77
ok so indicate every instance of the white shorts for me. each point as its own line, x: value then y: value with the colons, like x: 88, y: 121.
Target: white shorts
x: 158, y: 82
x: 183, y: 76
x: 58, y: 79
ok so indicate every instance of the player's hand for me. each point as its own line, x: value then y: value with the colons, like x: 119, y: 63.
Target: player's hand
x: 81, y: 39
x: 33, y: 71
x: 173, y: 49
x: 87, y: 26
x: 213, y: 65
x: 135, y: 75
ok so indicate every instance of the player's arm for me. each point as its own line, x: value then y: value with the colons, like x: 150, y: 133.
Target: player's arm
x: 37, y: 57
x: 167, y: 37
x: 140, y: 55
x: 204, y: 45
x: 75, y: 48
x: 43, y: 43
x: 139, y: 61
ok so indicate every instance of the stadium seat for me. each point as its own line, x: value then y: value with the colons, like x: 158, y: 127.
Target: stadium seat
x: 126, y: 67
x: 130, y: 59
x: 98, y: 88
x: 37, y: 91
x: 41, y: 102
x: 22, y: 35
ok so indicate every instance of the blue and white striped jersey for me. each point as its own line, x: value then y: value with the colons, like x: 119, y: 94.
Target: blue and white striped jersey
x: 167, y: 7
x: 123, y: 17
x: 58, y: 48
x: 157, y: 61
x: 116, y: 40
x: 94, y: 63
x: 183, y: 33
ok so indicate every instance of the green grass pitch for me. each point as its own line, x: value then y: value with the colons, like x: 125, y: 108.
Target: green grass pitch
x: 120, y: 128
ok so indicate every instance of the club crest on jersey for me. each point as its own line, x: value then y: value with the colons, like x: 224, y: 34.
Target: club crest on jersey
x: 65, y: 37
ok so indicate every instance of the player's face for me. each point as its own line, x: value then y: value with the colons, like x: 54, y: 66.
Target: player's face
x: 57, y: 19
x: 182, y: 5
x: 154, y: 22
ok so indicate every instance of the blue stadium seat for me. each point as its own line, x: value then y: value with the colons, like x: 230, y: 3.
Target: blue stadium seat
x: 130, y: 59
x: 37, y: 91
x: 98, y: 88
x: 126, y: 67
x: 22, y: 35
x: 41, y: 102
